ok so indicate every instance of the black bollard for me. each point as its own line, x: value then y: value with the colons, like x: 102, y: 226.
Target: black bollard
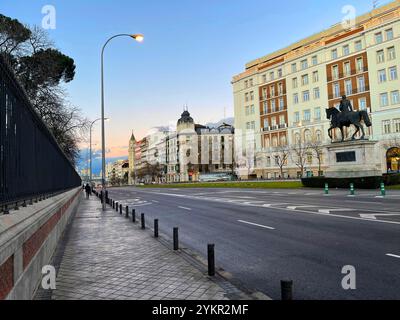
x: 143, y: 221
x: 126, y: 212
x: 155, y: 228
x: 133, y: 215
x: 113, y: 204
x: 211, y: 260
x: 176, y: 238
x: 287, y: 290
x: 6, y: 211
x: 116, y: 206
x: 120, y: 209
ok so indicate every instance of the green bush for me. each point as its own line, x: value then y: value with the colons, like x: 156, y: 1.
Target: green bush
x: 391, y: 179
x: 359, y: 183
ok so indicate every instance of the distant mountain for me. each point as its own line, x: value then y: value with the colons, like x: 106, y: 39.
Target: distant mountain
x: 230, y: 121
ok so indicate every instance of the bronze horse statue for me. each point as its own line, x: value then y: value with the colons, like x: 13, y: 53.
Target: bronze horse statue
x: 345, y: 119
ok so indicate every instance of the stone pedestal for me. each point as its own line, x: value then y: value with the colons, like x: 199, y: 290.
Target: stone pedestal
x: 353, y: 159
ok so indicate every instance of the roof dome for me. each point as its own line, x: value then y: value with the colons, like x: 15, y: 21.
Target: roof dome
x: 185, y: 118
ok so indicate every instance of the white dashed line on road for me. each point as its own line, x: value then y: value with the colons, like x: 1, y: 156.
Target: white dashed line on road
x: 155, y: 201
x: 255, y: 224
x: 328, y: 211
x: 184, y: 208
x: 393, y: 255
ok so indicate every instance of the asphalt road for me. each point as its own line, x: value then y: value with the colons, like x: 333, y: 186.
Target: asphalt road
x: 263, y: 236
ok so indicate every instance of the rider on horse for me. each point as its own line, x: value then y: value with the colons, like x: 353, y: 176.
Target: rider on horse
x: 345, y: 105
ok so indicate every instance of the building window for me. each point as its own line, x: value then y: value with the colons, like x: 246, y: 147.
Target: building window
x: 346, y: 50
x: 314, y: 60
x: 380, y: 56
x: 264, y: 78
x: 335, y: 72
x: 304, y: 80
x: 396, y: 124
x: 280, y: 74
x: 306, y: 96
x: 282, y: 120
x: 294, y: 83
x: 360, y: 65
x: 316, y: 93
x: 336, y: 90
x: 382, y: 75
x: 272, y: 91
x: 253, y: 125
x: 246, y: 97
x: 246, y: 84
x: 248, y: 125
x: 304, y: 64
x: 271, y: 76
x: 265, y: 107
x: 362, y: 104
x: 393, y: 73
x: 395, y: 97
x: 251, y: 82
x: 281, y: 104
x: 252, y: 110
x: 347, y: 69
x: 334, y: 54
x: 378, y: 38
x: 307, y: 115
x: 297, y: 117
x: 247, y: 110
x: 391, y: 52
x: 348, y: 87
x: 361, y: 84
x: 252, y: 95
x: 280, y: 88
x: 358, y: 45
x: 294, y: 67
x: 317, y: 113
x: 386, y: 126
x: 384, y: 99
x: 296, y: 98
x: 315, y: 76
x: 389, y: 34
x: 266, y: 123
x: 273, y: 106
x: 264, y: 93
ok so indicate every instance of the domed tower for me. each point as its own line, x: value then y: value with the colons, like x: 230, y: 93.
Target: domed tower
x: 186, y: 122
x: 131, y: 158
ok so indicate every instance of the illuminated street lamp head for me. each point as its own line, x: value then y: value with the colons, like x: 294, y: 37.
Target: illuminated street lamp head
x: 138, y: 37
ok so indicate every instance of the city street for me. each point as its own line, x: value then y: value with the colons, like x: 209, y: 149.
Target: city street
x: 264, y: 236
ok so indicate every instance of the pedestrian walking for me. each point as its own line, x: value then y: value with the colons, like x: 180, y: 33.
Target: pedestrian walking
x: 87, y: 189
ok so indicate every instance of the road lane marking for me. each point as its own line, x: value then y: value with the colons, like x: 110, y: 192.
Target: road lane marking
x: 295, y: 207
x: 373, y: 216
x: 185, y: 208
x: 255, y: 224
x: 331, y: 215
x: 155, y: 201
x: 393, y: 255
x: 328, y: 211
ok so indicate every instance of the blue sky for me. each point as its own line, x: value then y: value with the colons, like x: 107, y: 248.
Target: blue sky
x: 191, y: 51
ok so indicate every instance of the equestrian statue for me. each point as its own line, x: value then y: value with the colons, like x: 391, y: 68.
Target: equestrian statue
x: 346, y: 117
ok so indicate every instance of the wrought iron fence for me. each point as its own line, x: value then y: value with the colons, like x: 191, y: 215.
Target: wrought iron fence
x: 32, y: 165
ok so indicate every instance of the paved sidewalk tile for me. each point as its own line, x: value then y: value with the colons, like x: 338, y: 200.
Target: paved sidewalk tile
x: 104, y: 256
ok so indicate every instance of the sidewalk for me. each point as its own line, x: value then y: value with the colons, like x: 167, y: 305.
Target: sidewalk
x: 105, y: 256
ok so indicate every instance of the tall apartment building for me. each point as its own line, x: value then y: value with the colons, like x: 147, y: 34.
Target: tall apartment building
x: 280, y: 99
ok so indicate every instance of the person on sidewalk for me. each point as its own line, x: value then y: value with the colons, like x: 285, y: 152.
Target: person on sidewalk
x: 87, y: 189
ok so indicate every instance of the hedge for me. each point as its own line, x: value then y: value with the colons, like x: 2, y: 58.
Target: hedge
x: 391, y: 179
x: 359, y: 183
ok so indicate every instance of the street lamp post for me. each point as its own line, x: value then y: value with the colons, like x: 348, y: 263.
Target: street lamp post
x: 139, y: 38
x: 90, y: 145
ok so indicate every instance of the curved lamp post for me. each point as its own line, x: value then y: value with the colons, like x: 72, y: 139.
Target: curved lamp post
x: 90, y: 145
x: 138, y: 38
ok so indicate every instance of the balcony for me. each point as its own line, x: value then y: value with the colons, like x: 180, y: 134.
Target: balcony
x: 353, y: 92
x: 347, y: 74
